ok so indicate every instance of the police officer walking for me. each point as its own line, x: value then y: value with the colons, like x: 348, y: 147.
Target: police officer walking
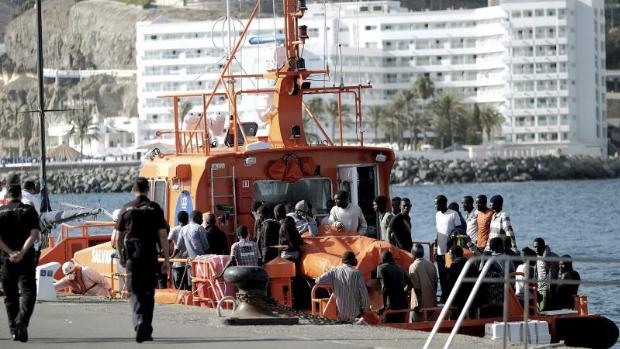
x: 142, y: 226
x: 19, y: 229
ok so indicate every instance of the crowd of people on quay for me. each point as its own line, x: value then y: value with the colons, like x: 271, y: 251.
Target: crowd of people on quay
x: 141, y: 235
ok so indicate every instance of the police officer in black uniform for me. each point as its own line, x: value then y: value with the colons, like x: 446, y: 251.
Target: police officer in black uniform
x: 142, y: 226
x: 19, y: 229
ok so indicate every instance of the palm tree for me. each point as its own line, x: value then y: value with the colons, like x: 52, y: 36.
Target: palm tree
x: 424, y: 87
x: 317, y: 108
x: 332, y: 111
x: 183, y: 110
x: 375, y: 116
x: 490, y: 119
x: 83, y: 126
x: 448, y: 111
x: 410, y: 114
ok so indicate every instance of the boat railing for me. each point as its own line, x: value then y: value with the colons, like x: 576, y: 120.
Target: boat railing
x: 82, y: 230
x: 507, y: 280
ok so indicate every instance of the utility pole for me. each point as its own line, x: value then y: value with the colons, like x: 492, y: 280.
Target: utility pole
x: 45, y: 200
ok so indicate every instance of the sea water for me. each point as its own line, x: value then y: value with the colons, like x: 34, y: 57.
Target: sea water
x: 580, y: 218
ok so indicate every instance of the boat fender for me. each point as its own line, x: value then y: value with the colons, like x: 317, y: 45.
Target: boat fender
x: 587, y: 332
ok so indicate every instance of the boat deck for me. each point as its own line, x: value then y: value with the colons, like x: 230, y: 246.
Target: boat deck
x: 76, y: 322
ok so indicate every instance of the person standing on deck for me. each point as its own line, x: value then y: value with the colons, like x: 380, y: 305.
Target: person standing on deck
x: 19, y: 229
x: 29, y: 195
x: 179, y: 269
x: 471, y: 218
x: 446, y: 221
x: 399, y: 229
x: 215, y: 236
x: 244, y: 252
x: 268, y: 234
x: 423, y: 276
x: 290, y: 237
x: 193, y: 237
x: 544, y: 272
x: 349, y: 288
x: 483, y: 220
x: 500, y: 223
x: 347, y: 216
x: 394, y: 286
x: 383, y: 217
x: 396, y: 205
x: 142, y: 223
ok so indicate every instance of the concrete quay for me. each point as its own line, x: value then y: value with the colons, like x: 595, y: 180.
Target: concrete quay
x: 78, y: 322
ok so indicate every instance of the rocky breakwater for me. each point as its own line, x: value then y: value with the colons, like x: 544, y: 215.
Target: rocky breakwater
x: 85, y: 180
x: 411, y: 171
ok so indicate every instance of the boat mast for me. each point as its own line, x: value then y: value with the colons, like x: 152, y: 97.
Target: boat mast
x: 45, y: 201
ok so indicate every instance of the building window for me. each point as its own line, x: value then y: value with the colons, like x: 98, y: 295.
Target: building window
x: 539, y: 13
x: 551, y: 12
x: 516, y: 14
x: 527, y: 13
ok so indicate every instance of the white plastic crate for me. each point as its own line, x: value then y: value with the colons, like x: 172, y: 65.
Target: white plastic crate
x: 538, y: 331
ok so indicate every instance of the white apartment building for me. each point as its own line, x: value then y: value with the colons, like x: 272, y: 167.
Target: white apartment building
x: 541, y: 63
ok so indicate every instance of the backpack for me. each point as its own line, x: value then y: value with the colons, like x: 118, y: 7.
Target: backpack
x: 140, y: 235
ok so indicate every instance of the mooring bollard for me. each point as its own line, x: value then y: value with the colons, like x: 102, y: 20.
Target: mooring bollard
x: 253, y: 309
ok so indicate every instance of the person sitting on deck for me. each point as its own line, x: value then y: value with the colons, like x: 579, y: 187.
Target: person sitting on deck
x: 399, y: 229
x: 519, y: 283
x: 394, y: 286
x: 423, y: 276
x: 83, y: 281
x: 346, y: 216
x: 303, y: 219
x: 289, y: 237
x: 349, y: 288
x: 456, y: 267
x: 564, y: 294
x: 215, y: 236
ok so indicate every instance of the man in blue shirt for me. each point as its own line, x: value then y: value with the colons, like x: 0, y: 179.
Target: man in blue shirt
x: 193, y: 237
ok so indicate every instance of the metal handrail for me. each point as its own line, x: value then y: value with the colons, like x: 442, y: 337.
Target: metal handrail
x: 488, y: 261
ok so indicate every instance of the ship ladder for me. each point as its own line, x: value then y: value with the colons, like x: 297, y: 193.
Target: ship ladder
x: 215, y: 198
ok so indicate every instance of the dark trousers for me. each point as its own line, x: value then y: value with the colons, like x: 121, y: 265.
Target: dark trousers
x: 20, y: 290
x: 141, y: 281
x: 181, y: 278
x: 443, y: 276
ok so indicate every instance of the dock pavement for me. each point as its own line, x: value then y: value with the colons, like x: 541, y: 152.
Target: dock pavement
x: 93, y: 323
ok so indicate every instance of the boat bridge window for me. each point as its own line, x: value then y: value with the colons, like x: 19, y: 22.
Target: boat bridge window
x: 314, y: 190
x: 159, y: 193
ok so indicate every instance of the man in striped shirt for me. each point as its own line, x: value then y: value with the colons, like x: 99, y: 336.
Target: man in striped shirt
x: 500, y: 223
x: 349, y: 288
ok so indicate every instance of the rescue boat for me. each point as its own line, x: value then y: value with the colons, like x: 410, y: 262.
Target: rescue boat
x: 283, y: 166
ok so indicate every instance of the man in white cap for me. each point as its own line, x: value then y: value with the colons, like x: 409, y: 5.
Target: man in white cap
x: 303, y: 221
x: 83, y: 280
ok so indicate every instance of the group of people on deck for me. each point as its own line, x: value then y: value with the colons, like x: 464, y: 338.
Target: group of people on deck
x: 278, y: 229
x: 483, y: 230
